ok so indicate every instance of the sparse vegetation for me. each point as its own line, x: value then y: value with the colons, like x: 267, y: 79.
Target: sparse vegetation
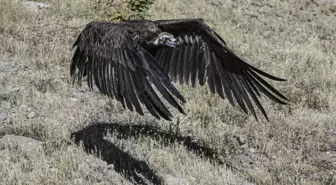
x: 117, y: 10
x: 292, y: 39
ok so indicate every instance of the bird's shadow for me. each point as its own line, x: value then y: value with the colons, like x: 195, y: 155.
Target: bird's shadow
x: 133, y: 169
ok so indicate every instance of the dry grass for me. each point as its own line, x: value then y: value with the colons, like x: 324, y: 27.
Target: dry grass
x: 290, y: 38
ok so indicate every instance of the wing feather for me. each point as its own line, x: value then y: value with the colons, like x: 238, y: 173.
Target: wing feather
x: 187, y: 65
x: 204, y: 55
x: 120, y: 68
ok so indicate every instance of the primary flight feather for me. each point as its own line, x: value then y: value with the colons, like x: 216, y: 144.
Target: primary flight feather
x: 127, y: 60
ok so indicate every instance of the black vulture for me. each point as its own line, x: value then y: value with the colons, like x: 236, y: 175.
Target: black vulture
x: 133, y: 60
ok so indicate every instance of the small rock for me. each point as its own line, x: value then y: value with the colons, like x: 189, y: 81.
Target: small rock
x: 31, y: 115
x: 23, y: 107
x: 81, y: 94
x: 244, y: 146
x: 20, y: 142
x: 78, y: 94
x: 3, y: 117
x: 73, y: 99
x: 169, y: 179
x: 15, y: 89
x: 7, y: 105
x: 35, y: 6
x: 242, y: 140
x: 3, y: 153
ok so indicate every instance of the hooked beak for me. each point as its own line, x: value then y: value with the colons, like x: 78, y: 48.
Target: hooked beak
x: 173, y: 43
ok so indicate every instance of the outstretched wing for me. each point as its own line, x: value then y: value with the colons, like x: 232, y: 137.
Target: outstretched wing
x: 122, y: 69
x: 203, y: 55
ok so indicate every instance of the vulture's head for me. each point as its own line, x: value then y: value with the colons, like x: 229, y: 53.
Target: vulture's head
x: 166, y: 39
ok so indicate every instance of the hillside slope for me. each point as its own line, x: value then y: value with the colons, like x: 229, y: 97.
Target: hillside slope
x: 215, y: 143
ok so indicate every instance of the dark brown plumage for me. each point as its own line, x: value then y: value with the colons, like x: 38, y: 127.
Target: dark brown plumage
x: 126, y: 60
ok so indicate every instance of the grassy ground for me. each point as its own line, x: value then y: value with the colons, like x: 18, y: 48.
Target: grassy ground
x: 290, y: 38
